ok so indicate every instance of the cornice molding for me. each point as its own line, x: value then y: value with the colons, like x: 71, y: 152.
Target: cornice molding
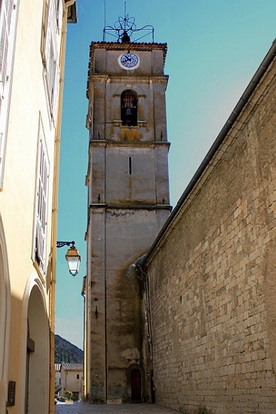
x: 130, y: 206
x: 106, y: 143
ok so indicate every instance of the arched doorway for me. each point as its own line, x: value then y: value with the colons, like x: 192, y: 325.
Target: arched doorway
x: 136, y: 385
x: 37, y: 355
x: 4, y: 317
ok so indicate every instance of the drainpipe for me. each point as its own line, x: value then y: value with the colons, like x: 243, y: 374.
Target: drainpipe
x: 144, y: 278
x: 137, y: 269
x: 52, y: 289
x: 84, y: 294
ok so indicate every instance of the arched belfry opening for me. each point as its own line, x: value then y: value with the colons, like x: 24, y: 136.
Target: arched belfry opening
x: 129, y: 107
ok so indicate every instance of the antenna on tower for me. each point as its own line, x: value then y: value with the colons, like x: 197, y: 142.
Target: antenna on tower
x: 125, y: 26
x: 104, y: 4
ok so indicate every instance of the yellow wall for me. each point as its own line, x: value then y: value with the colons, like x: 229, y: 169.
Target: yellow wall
x: 29, y: 288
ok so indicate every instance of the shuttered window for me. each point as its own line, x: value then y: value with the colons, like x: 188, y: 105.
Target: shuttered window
x: 8, y: 15
x: 59, y: 13
x: 44, y: 28
x: 50, y: 54
x: 40, y: 228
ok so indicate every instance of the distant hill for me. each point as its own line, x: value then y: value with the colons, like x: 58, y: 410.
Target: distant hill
x: 67, y: 352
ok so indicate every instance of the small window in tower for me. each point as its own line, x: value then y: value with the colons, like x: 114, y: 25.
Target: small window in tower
x: 129, y: 108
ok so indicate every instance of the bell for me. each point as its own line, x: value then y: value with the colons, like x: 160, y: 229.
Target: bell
x: 125, y: 37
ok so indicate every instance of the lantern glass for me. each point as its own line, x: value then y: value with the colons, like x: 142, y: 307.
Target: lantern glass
x: 73, y: 259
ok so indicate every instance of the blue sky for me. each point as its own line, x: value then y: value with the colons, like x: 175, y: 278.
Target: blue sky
x: 214, y: 48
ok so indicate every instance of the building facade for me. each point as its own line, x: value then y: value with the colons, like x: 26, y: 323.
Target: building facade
x: 58, y: 386
x: 128, y: 196
x: 71, y: 380
x: 210, y: 275
x: 31, y: 71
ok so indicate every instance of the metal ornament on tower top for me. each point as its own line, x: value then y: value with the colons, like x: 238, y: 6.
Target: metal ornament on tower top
x: 125, y: 27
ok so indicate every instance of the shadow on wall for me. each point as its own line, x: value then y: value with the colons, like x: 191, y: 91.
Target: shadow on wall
x: 26, y: 380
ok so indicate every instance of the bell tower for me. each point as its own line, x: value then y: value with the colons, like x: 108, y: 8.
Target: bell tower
x: 128, y: 203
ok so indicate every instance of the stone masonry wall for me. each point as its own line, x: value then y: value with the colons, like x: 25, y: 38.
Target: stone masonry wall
x: 213, y: 277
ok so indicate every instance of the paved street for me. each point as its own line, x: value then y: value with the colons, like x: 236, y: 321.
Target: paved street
x: 81, y: 408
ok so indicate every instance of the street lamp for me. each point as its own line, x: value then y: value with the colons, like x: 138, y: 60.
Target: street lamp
x: 72, y: 256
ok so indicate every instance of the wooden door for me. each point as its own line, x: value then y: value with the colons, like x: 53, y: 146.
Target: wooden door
x: 136, y: 385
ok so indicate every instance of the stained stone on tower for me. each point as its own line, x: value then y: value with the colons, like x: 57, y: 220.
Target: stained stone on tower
x: 128, y: 202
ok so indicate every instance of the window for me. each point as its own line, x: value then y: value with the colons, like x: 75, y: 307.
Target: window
x: 40, y: 227
x: 52, y: 69
x: 78, y: 377
x: 8, y: 15
x: 49, y: 52
x: 59, y: 13
x: 129, y: 108
x: 44, y: 28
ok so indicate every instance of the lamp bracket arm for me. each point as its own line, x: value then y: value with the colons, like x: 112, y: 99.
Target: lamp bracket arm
x: 65, y: 243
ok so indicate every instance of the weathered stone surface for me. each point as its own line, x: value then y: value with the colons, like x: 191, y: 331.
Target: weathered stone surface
x: 128, y: 204
x: 132, y: 355
x: 212, y: 277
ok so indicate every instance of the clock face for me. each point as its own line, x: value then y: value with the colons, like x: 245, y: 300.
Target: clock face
x: 129, y: 61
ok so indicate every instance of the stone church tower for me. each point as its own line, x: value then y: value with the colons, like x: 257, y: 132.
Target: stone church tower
x: 128, y: 203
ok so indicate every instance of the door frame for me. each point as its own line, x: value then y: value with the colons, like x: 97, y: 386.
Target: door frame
x: 129, y: 377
